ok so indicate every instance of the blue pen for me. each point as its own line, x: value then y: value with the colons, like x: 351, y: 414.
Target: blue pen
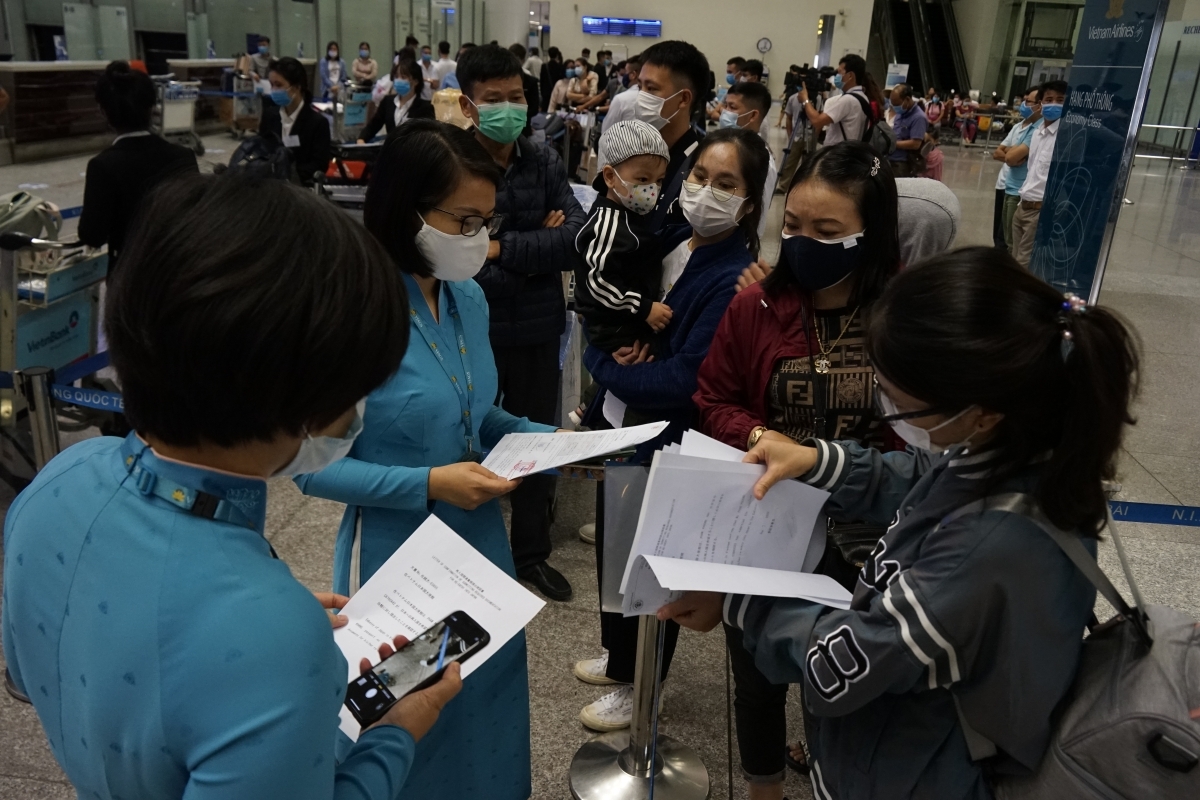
x: 442, y: 651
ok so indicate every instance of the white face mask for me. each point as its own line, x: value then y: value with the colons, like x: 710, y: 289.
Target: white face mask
x: 318, y: 452
x: 917, y: 436
x: 452, y: 257
x: 708, y: 215
x: 649, y: 109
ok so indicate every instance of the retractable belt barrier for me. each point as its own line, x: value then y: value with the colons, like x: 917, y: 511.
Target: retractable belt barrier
x: 62, y: 390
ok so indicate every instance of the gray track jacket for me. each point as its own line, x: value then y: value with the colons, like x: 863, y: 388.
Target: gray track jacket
x: 985, y: 610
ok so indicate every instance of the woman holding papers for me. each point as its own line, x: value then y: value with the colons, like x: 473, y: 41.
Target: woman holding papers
x: 966, y: 620
x: 167, y: 651
x: 720, y: 202
x: 788, y: 362
x: 432, y: 204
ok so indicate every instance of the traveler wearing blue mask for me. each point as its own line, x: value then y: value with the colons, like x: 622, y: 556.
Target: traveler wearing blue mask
x: 291, y: 118
x: 402, y: 104
x: 522, y: 280
x: 746, y: 106
x: 1041, y: 153
x: 429, y: 72
x: 1014, y: 153
x: 260, y: 59
x: 167, y: 650
x: 365, y: 68
x: 849, y: 115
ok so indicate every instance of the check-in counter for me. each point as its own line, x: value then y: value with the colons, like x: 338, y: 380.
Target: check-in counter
x: 52, y: 110
x: 211, y: 74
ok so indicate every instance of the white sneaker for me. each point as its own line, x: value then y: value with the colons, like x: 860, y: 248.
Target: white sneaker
x: 587, y: 533
x: 612, y: 712
x: 592, y: 671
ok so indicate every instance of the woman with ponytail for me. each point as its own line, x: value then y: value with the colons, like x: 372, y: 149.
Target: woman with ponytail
x: 964, y: 619
x: 789, y: 362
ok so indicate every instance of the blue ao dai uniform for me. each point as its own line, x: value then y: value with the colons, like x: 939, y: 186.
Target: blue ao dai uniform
x: 414, y: 422
x: 168, y: 654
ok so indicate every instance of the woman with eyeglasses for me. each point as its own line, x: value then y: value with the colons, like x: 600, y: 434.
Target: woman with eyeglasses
x: 720, y: 201
x: 790, y: 362
x: 431, y: 202
x: 967, y: 620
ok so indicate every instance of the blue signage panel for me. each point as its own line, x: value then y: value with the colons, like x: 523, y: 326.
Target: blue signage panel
x: 595, y: 25
x: 54, y: 337
x: 1110, y: 57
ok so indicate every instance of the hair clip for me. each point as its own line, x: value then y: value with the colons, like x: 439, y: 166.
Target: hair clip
x: 875, y: 167
x: 1074, y: 304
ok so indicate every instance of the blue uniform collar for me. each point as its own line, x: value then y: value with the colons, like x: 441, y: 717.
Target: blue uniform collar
x: 204, y: 493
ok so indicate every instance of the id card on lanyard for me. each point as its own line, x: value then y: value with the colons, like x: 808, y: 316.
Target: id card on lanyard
x: 465, y: 393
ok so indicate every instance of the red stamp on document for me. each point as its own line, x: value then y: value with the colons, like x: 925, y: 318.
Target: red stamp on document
x: 523, y: 468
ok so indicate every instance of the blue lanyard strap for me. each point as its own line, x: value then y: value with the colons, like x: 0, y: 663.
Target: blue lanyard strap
x: 465, y: 395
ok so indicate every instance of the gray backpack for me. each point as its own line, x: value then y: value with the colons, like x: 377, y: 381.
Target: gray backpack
x: 22, y: 212
x: 1130, y: 725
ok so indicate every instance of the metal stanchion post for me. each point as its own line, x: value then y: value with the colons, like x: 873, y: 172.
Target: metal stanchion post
x: 35, y: 386
x: 635, y: 764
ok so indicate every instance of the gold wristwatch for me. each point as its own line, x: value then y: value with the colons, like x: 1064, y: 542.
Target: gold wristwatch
x: 755, y: 435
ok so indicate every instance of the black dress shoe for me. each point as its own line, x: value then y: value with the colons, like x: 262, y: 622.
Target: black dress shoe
x: 548, y: 581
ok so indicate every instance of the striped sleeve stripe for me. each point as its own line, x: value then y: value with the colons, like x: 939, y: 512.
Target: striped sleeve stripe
x: 922, y: 638
x: 734, y: 612
x: 597, y: 258
x: 831, y: 463
x: 818, y: 783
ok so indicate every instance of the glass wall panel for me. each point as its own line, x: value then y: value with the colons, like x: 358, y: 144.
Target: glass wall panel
x: 363, y: 20
x: 230, y: 21
x: 297, y: 30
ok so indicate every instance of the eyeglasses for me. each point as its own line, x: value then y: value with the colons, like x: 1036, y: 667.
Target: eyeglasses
x: 885, y: 409
x: 473, y: 223
x: 721, y: 195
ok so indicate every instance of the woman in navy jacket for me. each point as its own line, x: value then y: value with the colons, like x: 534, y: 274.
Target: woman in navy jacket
x: 699, y: 279
x: 968, y: 617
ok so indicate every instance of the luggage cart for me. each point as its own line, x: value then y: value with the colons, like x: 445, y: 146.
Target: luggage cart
x: 246, y: 107
x: 174, y: 115
x: 345, y: 183
x: 49, y: 318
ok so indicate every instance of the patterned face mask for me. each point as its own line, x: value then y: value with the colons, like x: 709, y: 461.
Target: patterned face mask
x: 642, y: 197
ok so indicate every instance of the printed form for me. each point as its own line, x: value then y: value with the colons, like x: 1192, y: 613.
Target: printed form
x: 519, y: 454
x: 699, y: 513
x: 430, y: 576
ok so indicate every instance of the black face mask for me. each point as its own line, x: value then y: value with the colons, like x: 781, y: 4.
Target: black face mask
x: 817, y: 264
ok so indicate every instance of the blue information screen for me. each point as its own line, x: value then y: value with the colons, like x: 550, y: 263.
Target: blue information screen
x: 648, y: 27
x: 620, y: 26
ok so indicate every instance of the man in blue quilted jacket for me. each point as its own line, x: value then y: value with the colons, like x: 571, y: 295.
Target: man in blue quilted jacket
x: 523, y: 281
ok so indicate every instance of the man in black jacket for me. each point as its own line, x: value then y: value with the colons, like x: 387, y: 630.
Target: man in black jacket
x: 120, y: 176
x: 553, y: 71
x: 523, y: 281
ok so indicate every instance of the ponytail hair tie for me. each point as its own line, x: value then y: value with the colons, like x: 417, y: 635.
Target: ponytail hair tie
x: 875, y: 167
x: 1072, y: 306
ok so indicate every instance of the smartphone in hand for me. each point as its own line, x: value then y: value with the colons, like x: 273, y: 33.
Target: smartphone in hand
x: 416, y: 666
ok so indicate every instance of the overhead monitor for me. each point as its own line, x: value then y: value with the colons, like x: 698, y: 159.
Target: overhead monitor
x: 622, y: 26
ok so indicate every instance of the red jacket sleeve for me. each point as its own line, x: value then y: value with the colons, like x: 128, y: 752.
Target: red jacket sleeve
x: 722, y: 397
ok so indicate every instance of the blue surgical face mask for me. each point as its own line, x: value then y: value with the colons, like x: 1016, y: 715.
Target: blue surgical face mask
x: 1025, y: 111
x: 730, y: 78
x: 817, y: 264
x: 937, y: 99
x: 729, y: 119
x: 837, y: 80
x: 426, y: 57
x: 318, y: 452
x: 281, y: 98
x: 333, y: 54
x: 1051, y: 112
x: 569, y: 72
x: 263, y: 49
x: 402, y: 87
x: 364, y: 54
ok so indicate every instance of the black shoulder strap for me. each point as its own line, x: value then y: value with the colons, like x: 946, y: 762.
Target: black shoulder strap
x: 866, y: 107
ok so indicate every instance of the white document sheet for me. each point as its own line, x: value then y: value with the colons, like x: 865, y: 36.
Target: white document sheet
x: 430, y: 576
x: 677, y: 575
x: 520, y: 454
x: 702, y: 509
x: 614, y: 410
x: 697, y: 444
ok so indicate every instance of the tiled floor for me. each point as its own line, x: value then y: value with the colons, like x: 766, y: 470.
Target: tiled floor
x: 1154, y: 279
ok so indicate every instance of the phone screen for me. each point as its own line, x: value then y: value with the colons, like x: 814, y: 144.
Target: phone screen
x: 415, y: 666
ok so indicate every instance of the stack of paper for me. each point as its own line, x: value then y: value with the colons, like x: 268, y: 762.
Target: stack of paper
x: 430, y: 576
x: 520, y: 454
x: 702, y: 529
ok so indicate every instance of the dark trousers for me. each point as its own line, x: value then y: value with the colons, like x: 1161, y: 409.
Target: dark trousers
x: 529, y: 388
x: 619, y: 634
x: 998, y: 222
x: 759, y: 713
